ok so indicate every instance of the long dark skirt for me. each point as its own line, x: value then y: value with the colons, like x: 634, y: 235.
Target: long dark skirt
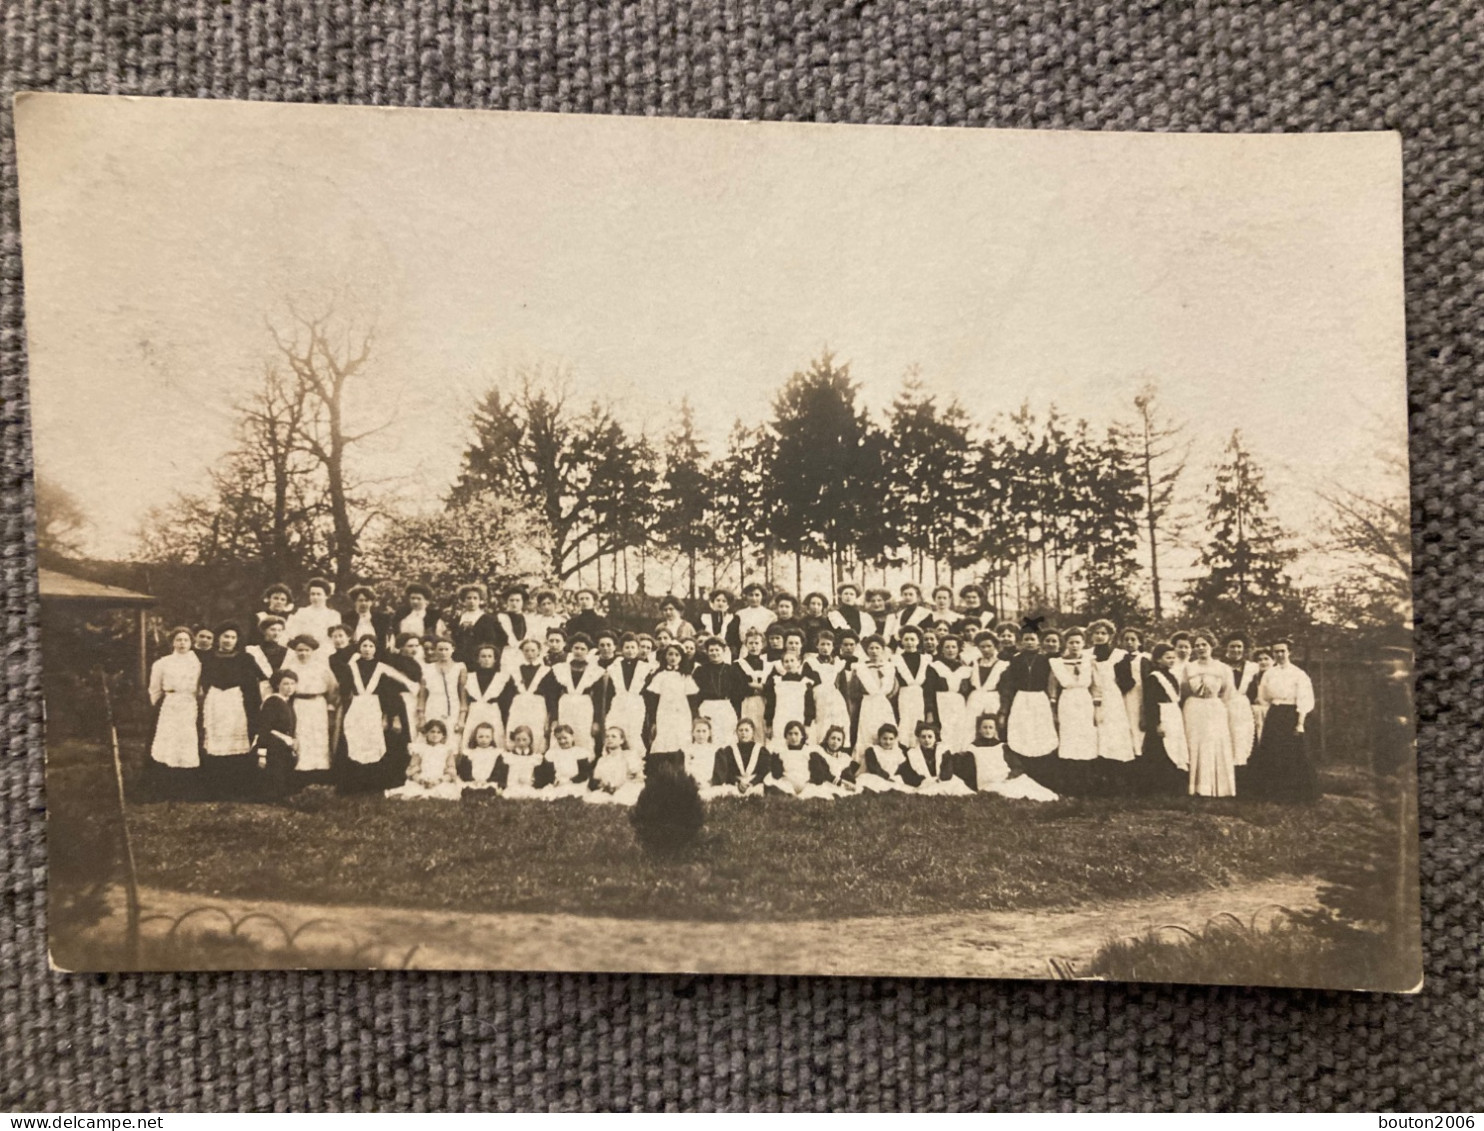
x: 172, y: 783
x: 229, y: 777
x: 1280, y: 768
x: 1068, y: 777
x: 1154, y: 775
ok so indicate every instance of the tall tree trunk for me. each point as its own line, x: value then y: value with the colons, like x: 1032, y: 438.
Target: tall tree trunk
x: 798, y: 571
x: 1152, y: 519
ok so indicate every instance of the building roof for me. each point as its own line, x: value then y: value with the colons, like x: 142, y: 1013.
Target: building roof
x: 58, y: 586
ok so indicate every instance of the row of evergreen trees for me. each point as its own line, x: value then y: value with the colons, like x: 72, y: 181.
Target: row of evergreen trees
x: 1045, y: 511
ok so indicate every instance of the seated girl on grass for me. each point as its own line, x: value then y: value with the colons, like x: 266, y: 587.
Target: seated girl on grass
x: 743, y: 767
x: 566, y: 768
x: 515, y: 772
x: 881, y: 765
x: 700, y: 753
x: 832, y: 771
x: 618, y: 775
x: 927, y: 768
x: 790, y: 764
x: 431, y: 769
x: 476, y: 765
x: 983, y: 768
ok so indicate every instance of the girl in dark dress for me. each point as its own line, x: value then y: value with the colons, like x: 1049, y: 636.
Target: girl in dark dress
x: 744, y: 766
x: 276, y: 742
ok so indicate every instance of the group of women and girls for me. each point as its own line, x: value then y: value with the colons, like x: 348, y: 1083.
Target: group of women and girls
x: 831, y: 699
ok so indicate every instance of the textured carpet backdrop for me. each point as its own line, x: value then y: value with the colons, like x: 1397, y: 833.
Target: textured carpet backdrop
x: 503, y: 1041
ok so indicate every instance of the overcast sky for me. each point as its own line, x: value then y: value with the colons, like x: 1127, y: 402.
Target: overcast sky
x: 1257, y: 279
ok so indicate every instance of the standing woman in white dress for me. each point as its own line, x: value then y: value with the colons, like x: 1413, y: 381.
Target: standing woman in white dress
x: 316, y: 618
x: 876, y: 684
x: 1208, y: 736
x: 229, y: 712
x: 1239, y: 707
x: 670, y: 693
x: 315, y: 694
x: 1115, y: 737
x: 175, y: 745
x: 1073, y: 690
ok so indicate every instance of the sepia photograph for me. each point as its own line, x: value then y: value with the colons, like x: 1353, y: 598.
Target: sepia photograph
x: 483, y: 540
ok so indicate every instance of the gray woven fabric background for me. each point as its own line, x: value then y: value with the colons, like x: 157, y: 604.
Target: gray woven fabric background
x: 501, y: 1041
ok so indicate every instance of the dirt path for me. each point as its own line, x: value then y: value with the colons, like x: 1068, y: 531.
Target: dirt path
x: 977, y: 945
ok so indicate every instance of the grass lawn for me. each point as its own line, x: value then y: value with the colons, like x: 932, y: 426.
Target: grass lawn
x: 764, y: 859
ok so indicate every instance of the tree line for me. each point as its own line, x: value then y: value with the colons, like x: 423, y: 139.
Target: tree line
x: 1046, y: 511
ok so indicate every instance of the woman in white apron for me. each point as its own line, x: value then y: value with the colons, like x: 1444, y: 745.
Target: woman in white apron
x: 755, y: 669
x: 363, y: 726
x: 484, y: 689
x: 832, y: 771
x: 1165, y: 759
x: 1030, y: 729
x: 790, y: 773
x: 174, y: 683
x: 949, y: 682
x: 1239, y: 706
x: 911, y: 667
x: 1072, y: 695
x: 983, y: 683
x: 626, y: 679
x: 528, y: 704
x: 877, y: 682
x: 671, y: 689
x: 515, y: 773
x: 312, y: 702
x: 1115, y: 740
x: 1129, y: 675
x: 575, y: 703
x: 882, y: 762
x: 788, y: 697
x: 830, y: 708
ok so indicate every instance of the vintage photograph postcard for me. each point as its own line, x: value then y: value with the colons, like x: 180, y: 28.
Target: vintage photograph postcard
x: 477, y: 540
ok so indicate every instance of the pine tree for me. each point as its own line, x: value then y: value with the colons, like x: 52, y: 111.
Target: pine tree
x: 739, y: 492
x: 1160, y: 452
x: 683, y: 507
x: 822, y: 480
x: 926, y: 476
x: 1110, y: 491
x: 1244, y: 582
